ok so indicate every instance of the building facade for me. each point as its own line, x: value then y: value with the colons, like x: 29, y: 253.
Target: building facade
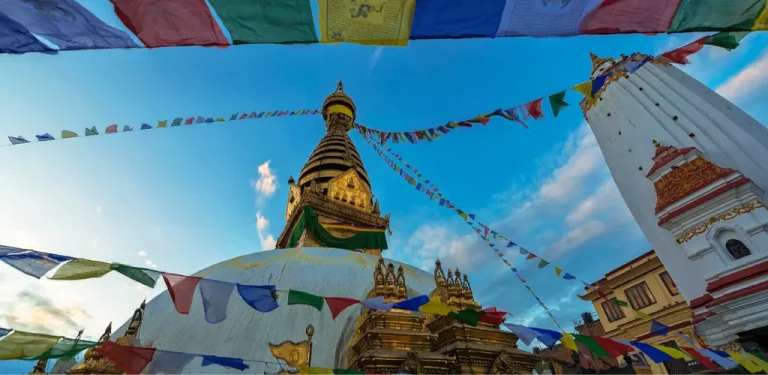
x: 691, y: 167
x: 647, y: 287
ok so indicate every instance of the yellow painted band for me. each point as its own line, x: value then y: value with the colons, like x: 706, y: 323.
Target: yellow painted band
x: 338, y: 108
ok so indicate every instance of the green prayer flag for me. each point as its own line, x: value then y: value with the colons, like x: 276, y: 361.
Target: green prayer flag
x: 463, y: 215
x: 468, y: 316
x: 620, y: 302
x: 346, y: 371
x: 296, y: 297
x: 251, y: 22
x: 592, y: 345
x: 727, y: 40
x: 91, y: 131
x: 21, y: 344
x: 709, y: 15
x: 80, y: 269
x: 67, y: 349
x: 557, y: 101
x: 543, y: 263
x: 141, y: 275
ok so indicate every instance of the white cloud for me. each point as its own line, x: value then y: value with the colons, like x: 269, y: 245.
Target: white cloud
x: 98, y: 209
x: 375, y: 56
x: 749, y: 80
x: 267, y: 240
x: 430, y: 242
x: 603, y: 199
x: 142, y: 253
x: 150, y: 263
x: 586, y: 160
x: 266, y: 184
x: 576, y: 237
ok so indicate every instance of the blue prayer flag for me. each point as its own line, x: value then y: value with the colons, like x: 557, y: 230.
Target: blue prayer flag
x: 44, y: 137
x: 598, y: 83
x: 215, y: 295
x: 127, y: 128
x: 412, y: 304
x: 145, y: 127
x: 4, y: 250
x: 513, y: 269
x: 377, y: 303
x: 4, y: 332
x: 568, y: 276
x: 164, y: 362
x: 544, y: 17
x: 654, y: 354
x: 260, y: 297
x: 433, y: 19
x: 67, y: 24
x: 235, y: 363
x: 34, y: 263
x: 15, y: 38
x: 16, y: 140
x: 511, y: 244
x: 548, y: 337
x: 658, y: 328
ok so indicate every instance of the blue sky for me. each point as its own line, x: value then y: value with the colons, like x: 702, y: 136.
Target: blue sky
x: 184, y: 198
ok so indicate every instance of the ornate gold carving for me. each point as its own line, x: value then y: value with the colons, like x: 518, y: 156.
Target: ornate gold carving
x: 725, y: 216
x: 503, y: 364
x: 388, y: 284
x: 453, y: 290
x: 411, y: 365
x: 687, y: 179
x: 294, y: 193
x: 348, y: 188
x: 295, y: 354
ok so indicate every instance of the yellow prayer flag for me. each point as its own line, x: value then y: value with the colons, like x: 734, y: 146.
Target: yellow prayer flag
x: 434, y: 306
x: 761, y: 23
x: 314, y: 370
x: 672, y: 352
x: 370, y: 22
x: 642, y: 315
x: 586, y: 90
x: 162, y: 123
x: 80, y: 269
x: 568, y: 341
x: 558, y: 271
x: 763, y: 364
x: 751, y: 367
x: 26, y: 344
x: 68, y: 134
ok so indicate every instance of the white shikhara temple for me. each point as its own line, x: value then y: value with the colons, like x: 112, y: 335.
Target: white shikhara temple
x: 693, y: 170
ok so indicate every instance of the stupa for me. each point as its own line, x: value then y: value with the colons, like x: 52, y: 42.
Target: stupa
x: 693, y: 170
x: 332, y: 245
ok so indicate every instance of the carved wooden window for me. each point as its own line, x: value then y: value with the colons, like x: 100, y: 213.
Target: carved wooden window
x: 669, y: 283
x: 640, y: 296
x: 612, y: 310
x: 737, y: 249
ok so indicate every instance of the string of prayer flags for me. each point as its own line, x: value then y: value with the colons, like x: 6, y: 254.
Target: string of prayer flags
x: 19, y: 344
x: 114, y: 128
x: 29, y: 262
x: 296, y: 297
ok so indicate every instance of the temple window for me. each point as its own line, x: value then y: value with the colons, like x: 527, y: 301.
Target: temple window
x: 737, y: 249
x: 640, y: 296
x: 612, y: 310
x: 669, y: 283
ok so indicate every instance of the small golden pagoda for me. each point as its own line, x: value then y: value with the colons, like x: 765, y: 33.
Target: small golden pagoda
x: 95, y: 363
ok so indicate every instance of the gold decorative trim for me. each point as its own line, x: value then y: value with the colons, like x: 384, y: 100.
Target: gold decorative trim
x: 726, y: 216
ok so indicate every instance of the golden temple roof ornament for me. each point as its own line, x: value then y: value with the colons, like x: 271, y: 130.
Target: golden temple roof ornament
x: 295, y: 354
x: 598, y: 62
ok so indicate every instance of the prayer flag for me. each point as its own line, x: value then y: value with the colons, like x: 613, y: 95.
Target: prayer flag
x: 544, y: 18
x: 463, y: 215
x: 15, y: 38
x: 342, y: 371
x: 111, y: 129
x: 377, y: 303
x: 147, y: 127
x: 548, y: 337
x: 67, y: 348
x: 91, y: 131
x: 412, y: 304
x: 435, y: 306
x: 141, y: 275
x: 762, y: 20
x: 568, y: 341
x: 33, y: 263
x: 170, y: 22
x: 68, y: 134
x: 385, y: 22
x: 620, y: 303
x: 598, y: 83
x: 632, y: 66
x: 706, y: 15
x: 680, y: 55
x: 235, y: 363
x: 530, y: 256
x: 533, y: 110
x: 296, y: 297
x: 189, y: 121
x: 169, y: 362
x: 182, y: 290
x: 66, y: 24
x: 511, y: 244
x: 557, y: 101
x: 525, y: 334
x: 511, y: 114
x: 727, y: 40
x: 586, y: 90
x: 749, y: 365
x: 456, y: 19
x: 757, y: 360
x: 16, y: 140
x: 614, y: 348
x: 630, y: 16
x: 215, y: 295
x: 523, y: 251
x: 21, y: 344
x: 568, y: 276
x: 161, y: 124
x: 706, y: 362
x: 315, y: 370
x: 130, y: 359
x: 492, y: 316
x: 467, y: 316
x: 642, y: 315
x: 558, y: 271
x: 338, y: 304
x: 658, y: 328
x: 670, y: 351
x: 4, y: 332
x: 543, y: 263
x: 176, y: 122
x: 127, y: 128
x: 80, y: 269
x: 200, y: 120
x: 263, y: 298
x: 592, y: 345
x: 44, y: 137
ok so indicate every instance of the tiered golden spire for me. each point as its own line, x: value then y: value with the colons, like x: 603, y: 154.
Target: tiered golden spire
x: 454, y: 290
x: 389, y: 284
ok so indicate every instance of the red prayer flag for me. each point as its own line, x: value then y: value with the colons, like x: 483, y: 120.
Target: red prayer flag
x: 182, y: 289
x: 130, y: 359
x: 493, y: 316
x: 630, y: 16
x: 338, y: 304
x: 530, y: 256
x: 708, y: 364
x: 111, y: 129
x: 534, y: 109
x: 170, y: 22
x: 681, y: 54
x: 613, y: 347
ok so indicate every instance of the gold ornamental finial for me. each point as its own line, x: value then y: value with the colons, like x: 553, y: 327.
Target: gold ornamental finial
x: 596, y: 60
x: 656, y: 143
x: 340, y: 87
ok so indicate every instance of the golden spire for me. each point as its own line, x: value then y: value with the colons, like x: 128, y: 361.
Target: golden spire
x: 598, y: 62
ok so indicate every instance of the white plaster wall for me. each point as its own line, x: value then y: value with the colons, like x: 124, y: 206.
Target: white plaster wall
x: 723, y: 133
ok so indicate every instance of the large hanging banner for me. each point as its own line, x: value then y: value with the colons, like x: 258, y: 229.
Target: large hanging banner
x: 534, y: 110
x: 71, y: 26
x: 179, y: 121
